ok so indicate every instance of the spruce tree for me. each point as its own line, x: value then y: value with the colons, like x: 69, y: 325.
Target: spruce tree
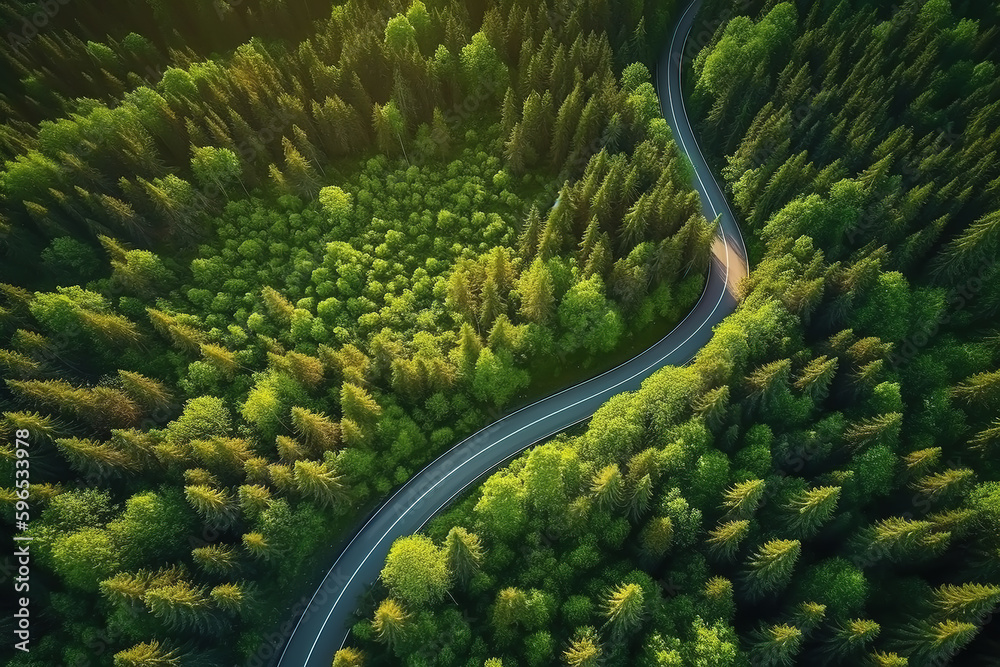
x: 465, y: 554
x: 585, y: 649
x: 776, y: 645
x: 624, y: 608
x: 770, y: 568
x: 724, y: 541
x: 390, y: 622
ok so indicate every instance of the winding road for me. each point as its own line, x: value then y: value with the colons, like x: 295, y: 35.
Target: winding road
x: 322, y: 626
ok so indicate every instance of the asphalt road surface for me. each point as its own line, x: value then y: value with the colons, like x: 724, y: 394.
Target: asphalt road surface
x: 322, y: 627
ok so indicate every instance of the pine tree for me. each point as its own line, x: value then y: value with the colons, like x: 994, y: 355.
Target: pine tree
x: 656, y: 538
x: 220, y: 358
x: 987, y: 441
x: 465, y: 554
x: 353, y: 365
x: 148, y: 654
x: 200, y: 477
x: 641, y: 495
x: 111, y: 327
x: 966, y: 602
x: 713, y: 405
x: 231, y: 598
x: 921, y: 461
x: 215, y: 558
x: 880, y: 430
x: 289, y: 451
x: 770, y: 568
x: 807, y: 616
x: 955, y: 522
x: 647, y: 462
x: 742, y: 500
x: 590, y: 236
x: 503, y: 336
x: 467, y: 352
x: 600, y: 259
x: 277, y: 305
x: 724, y: 541
x: 815, y: 379
x: 305, y: 369
x: 491, y: 304
x: 776, y: 645
x: 19, y: 365
x: 624, y: 608
x: 127, y: 588
x: 389, y: 126
x: 56, y: 393
x: 391, y: 622
x: 510, y: 609
x: 152, y: 394
x: 317, y: 482
x: 558, y: 226
x: 348, y: 657
x: 900, y: 540
x: 253, y: 499
x: 215, y: 506
x: 882, y: 659
x: 510, y: 112
x: 183, y: 336
x: 810, y: 509
x: 981, y: 390
x: 92, y: 458
x: 585, y: 649
x: 224, y: 456
x: 182, y: 607
x: 943, y: 485
x: 318, y: 432
x: 765, y: 384
x: 565, y: 126
x: 585, y: 138
x: 257, y: 545
x: 531, y: 233
x: 850, y: 640
x: 352, y: 433
x: 460, y: 295
x: 298, y: 170
x: 40, y: 426
x: 440, y: 134
x: 357, y: 404
x: 537, y: 297
x: 928, y: 641
x: 607, y: 487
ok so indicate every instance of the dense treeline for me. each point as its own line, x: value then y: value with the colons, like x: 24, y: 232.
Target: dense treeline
x: 821, y: 485
x: 245, y: 299
x: 54, y: 52
x: 772, y: 504
x: 128, y: 169
x: 865, y: 130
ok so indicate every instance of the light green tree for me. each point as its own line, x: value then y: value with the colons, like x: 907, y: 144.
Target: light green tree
x: 464, y: 552
x: 416, y: 571
x: 624, y: 609
x: 770, y: 568
x: 390, y: 622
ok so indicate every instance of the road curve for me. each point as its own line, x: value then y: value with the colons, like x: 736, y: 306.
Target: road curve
x: 322, y: 627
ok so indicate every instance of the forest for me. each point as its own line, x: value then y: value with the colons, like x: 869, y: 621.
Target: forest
x: 821, y: 486
x: 260, y: 265
x: 258, y: 273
